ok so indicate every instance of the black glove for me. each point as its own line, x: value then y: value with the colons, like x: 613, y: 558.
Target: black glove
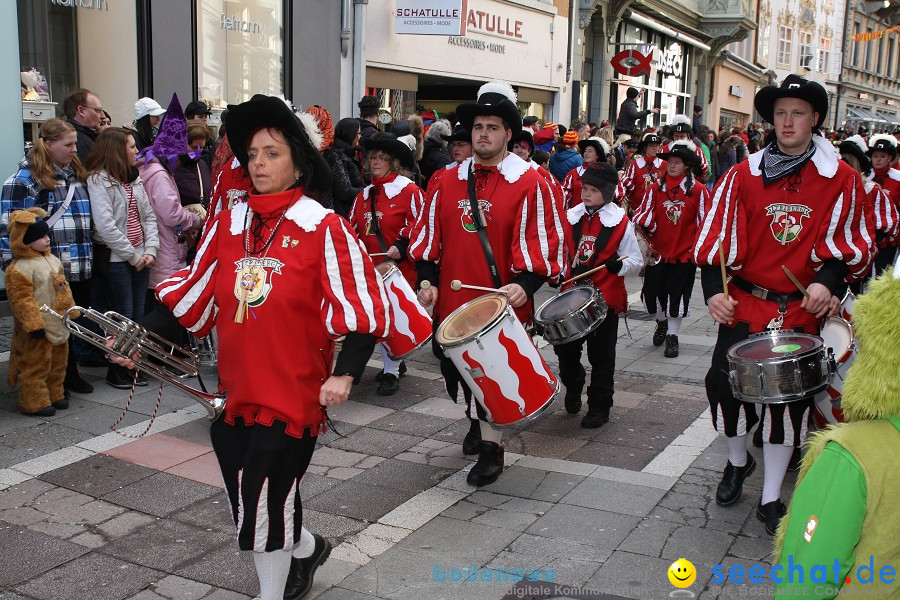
x: 38, y: 334
x: 614, y: 265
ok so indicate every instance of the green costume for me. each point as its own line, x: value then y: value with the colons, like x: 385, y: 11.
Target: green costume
x: 844, y: 514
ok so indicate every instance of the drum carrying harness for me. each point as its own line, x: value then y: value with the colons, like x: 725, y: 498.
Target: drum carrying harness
x: 480, y: 228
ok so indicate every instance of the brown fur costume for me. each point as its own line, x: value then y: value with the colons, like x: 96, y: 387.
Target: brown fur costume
x: 37, y: 364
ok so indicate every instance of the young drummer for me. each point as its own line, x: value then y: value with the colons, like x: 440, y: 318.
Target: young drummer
x: 601, y: 234
x: 644, y: 169
x: 669, y: 212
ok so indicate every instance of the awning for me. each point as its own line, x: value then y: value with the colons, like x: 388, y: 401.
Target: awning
x: 394, y: 80
x: 861, y: 114
x: 892, y: 119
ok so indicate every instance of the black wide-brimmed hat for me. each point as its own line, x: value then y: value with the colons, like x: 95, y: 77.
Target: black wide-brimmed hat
x: 683, y: 149
x: 262, y: 112
x: 856, y: 146
x: 388, y: 142
x: 681, y: 124
x: 883, y: 142
x: 495, y: 98
x: 793, y: 86
x: 648, y: 138
x: 600, y: 146
x: 523, y: 136
x: 460, y: 134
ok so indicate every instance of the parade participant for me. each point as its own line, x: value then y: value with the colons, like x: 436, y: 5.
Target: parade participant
x: 793, y: 203
x: 519, y: 229
x: 844, y: 509
x: 670, y: 215
x: 629, y: 113
x: 600, y: 234
x: 682, y: 130
x: 644, y: 169
x: 565, y: 158
x: 882, y: 151
x: 523, y: 146
x: 459, y: 143
x: 230, y: 183
x: 382, y: 216
x: 593, y: 149
x: 281, y: 278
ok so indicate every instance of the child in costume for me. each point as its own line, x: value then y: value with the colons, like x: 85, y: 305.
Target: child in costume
x: 844, y: 511
x: 39, y: 352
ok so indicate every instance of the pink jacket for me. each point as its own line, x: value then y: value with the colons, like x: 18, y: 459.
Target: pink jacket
x: 163, y: 194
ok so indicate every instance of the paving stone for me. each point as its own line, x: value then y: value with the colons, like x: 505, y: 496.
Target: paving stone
x: 97, y: 475
x: 614, y: 496
x: 89, y: 513
x: 462, y: 542
x: 622, y: 457
x: 225, y: 567
x: 421, y: 508
x: 226, y: 595
x: 97, y: 418
x: 94, y: 576
x: 89, y: 540
x: 195, y: 431
x: 538, y: 444
x: 445, y: 462
x: 464, y: 511
x: 412, y: 423
x: 637, y: 576
x: 357, y: 413
x: 24, y: 515
x: 507, y: 519
x: 312, y: 485
x: 551, y: 548
x: 165, y: 545
x: 376, y: 441
x: 649, y: 537
x: 359, y: 501
x: 211, y: 514
x: 340, y: 593
x: 570, y: 572
x: 735, y: 591
x: 586, y: 526
x: 398, y: 574
x: 752, y: 548
x: 555, y: 486
x: 161, y: 494
x: 36, y: 441
x: 517, y: 481
x: 440, y: 406
x: 179, y: 588
x: 333, y: 527
x: 405, y: 475
x: 697, y: 545
x: 327, y: 456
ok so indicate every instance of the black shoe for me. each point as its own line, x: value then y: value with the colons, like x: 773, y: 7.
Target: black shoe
x: 659, y: 336
x: 573, y: 402
x: 472, y: 441
x: 595, y: 417
x: 61, y: 404
x: 732, y: 482
x: 300, y: 577
x: 48, y: 411
x: 402, y: 371
x: 119, y: 377
x: 77, y: 385
x: 388, y: 386
x: 770, y: 514
x: 796, y: 459
x: 489, y: 465
x: 671, y: 346
x: 141, y: 379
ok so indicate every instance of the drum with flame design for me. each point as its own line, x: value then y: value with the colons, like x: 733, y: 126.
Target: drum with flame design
x: 838, y: 335
x: 410, y: 323
x: 498, y: 361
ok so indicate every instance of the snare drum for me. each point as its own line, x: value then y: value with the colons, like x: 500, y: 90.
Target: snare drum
x: 778, y: 366
x: 571, y: 315
x: 411, y: 326
x: 838, y: 335
x: 498, y: 361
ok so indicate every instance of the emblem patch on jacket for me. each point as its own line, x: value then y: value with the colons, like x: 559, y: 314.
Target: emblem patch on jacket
x: 586, y: 249
x: 369, y: 229
x: 787, y: 221
x: 466, y: 217
x: 674, y: 209
x: 254, y: 278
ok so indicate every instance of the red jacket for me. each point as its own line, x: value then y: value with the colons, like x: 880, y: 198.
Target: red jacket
x: 671, y: 217
x: 571, y: 187
x: 230, y: 186
x: 640, y: 175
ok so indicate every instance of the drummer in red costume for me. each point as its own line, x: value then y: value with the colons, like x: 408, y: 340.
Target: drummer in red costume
x: 883, y: 151
x: 682, y: 130
x: 793, y: 203
x: 670, y: 213
x: 521, y: 224
x: 600, y: 234
x: 281, y: 278
x: 593, y: 150
x: 644, y: 169
x: 382, y: 216
x: 459, y: 143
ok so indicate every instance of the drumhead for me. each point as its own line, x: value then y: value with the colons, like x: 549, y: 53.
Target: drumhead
x: 837, y: 334
x: 565, y: 303
x: 384, y: 269
x: 471, y: 318
x: 782, y: 345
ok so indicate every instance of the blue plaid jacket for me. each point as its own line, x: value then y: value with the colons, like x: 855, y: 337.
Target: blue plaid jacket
x: 70, y: 238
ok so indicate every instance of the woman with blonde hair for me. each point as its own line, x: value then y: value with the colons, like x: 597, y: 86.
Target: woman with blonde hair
x: 51, y: 177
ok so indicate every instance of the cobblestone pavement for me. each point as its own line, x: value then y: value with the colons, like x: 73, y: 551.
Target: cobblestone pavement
x: 88, y: 513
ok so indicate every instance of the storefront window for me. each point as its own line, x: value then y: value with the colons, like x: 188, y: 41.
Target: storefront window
x: 47, y: 43
x: 240, y: 50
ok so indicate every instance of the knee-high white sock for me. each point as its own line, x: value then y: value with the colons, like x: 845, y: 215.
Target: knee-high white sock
x: 737, y: 450
x: 775, y: 463
x: 674, y: 325
x: 391, y: 366
x: 306, y: 546
x: 272, y: 569
x: 489, y: 434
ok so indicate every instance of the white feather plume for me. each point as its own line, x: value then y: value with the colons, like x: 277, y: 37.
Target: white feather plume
x: 312, y: 129
x: 881, y: 136
x: 677, y: 119
x: 603, y: 144
x: 409, y: 140
x: 498, y: 87
x: 859, y: 141
x: 648, y: 134
x: 684, y: 143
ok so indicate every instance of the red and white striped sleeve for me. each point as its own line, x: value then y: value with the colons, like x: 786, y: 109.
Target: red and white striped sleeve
x: 845, y: 235
x: 353, y: 216
x: 704, y: 164
x: 189, y: 292
x: 425, y: 237
x: 416, y: 205
x: 354, y: 298
x: 722, y: 218
x: 536, y: 248
x: 627, y: 180
x: 644, y: 214
x: 567, y: 184
x: 620, y: 193
x: 704, y: 200
x: 886, y: 215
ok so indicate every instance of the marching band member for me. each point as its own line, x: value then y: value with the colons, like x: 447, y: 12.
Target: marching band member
x: 281, y: 278
x: 382, y: 216
x: 793, y: 203
x: 644, y: 169
x: 459, y: 143
x: 670, y: 214
x: 521, y: 230
x: 592, y: 150
x: 682, y: 130
x: 600, y: 234
x: 882, y: 151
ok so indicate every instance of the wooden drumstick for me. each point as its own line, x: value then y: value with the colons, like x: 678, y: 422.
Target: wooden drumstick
x: 586, y: 273
x: 379, y: 254
x: 722, y: 265
x: 795, y: 281
x: 457, y: 285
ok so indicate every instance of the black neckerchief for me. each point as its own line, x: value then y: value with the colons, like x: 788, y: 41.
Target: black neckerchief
x: 777, y: 165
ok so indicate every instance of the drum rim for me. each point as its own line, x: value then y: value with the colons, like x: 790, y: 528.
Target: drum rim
x: 507, y: 308
x: 595, y: 294
x: 846, y: 352
x: 392, y: 266
x: 538, y: 413
x: 405, y: 354
x: 730, y: 355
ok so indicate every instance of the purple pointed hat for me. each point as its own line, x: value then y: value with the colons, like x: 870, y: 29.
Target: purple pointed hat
x: 172, y: 139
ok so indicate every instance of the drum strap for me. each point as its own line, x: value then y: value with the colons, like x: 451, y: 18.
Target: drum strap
x: 599, y: 244
x: 480, y: 228
x: 376, y: 227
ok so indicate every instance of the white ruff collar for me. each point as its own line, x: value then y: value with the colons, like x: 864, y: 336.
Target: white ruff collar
x: 610, y: 214
x: 305, y: 212
x: 642, y: 161
x: 825, y: 158
x: 392, y: 188
x: 512, y: 167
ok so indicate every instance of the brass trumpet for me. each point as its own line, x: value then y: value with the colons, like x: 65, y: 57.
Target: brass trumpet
x: 169, y: 361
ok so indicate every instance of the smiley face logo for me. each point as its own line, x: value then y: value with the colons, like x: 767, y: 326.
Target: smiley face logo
x: 682, y: 573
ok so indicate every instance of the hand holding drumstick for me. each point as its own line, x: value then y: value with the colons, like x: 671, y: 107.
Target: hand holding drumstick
x: 816, y: 297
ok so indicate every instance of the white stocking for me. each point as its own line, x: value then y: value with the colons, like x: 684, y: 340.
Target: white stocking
x: 775, y: 463
x: 272, y: 570
x: 306, y: 546
x: 737, y: 450
x: 489, y: 434
x: 674, y: 325
x: 391, y: 366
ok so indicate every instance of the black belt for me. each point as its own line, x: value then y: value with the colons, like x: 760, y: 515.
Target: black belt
x: 766, y: 294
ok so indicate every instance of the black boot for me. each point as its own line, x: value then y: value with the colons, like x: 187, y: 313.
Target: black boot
x: 472, y: 441
x: 573, y: 401
x: 595, y: 417
x: 62, y: 404
x: 403, y: 370
x: 732, y: 483
x: 489, y: 465
x: 659, y: 336
x: 389, y: 385
x: 119, y: 377
x: 671, y: 346
x: 300, y: 577
x: 771, y: 514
